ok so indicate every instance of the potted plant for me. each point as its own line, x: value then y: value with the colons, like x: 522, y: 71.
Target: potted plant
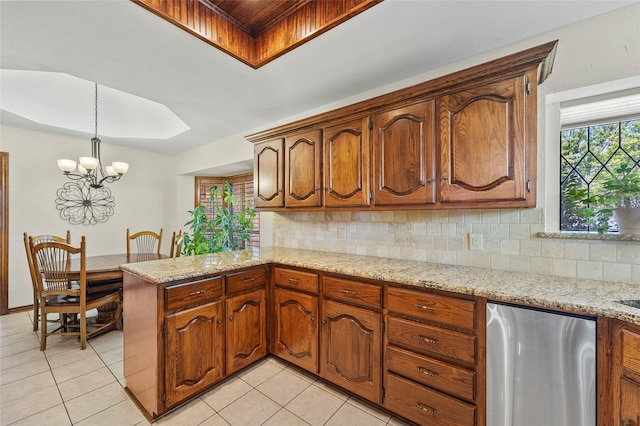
x: 617, y: 195
x: 229, y: 229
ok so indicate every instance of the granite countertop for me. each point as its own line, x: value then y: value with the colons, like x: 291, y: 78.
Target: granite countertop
x: 589, y: 297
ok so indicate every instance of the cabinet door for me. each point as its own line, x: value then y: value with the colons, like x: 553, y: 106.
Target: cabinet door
x: 268, y: 169
x: 350, y: 349
x: 488, y: 140
x: 403, y: 155
x: 296, y: 333
x: 246, y: 329
x: 629, y: 403
x: 302, y: 166
x: 194, y: 351
x: 346, y: 164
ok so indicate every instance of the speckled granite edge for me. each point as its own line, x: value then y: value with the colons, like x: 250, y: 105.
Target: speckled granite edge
x: 588, y: 297
x: 589, y: 236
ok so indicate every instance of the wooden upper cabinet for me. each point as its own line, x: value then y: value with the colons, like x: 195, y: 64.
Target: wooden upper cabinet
x: 268, y: 173
x: 403, y: 155
x: 346, y: 164
x: 488, y: 140
x: 302, y: 169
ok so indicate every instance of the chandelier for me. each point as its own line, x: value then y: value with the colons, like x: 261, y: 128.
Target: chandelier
x: 87, y: 201
x: 90, y: 169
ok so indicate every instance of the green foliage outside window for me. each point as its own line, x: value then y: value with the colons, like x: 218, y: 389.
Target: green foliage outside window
x: 589, y: 157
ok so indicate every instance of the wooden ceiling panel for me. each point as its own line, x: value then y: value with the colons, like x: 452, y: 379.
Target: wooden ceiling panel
x: 256, y: 31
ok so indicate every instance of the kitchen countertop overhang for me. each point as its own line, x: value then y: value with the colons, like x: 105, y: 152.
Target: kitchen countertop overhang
x: 583, y: 296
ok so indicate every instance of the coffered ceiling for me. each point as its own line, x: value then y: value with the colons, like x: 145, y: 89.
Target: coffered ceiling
x: 256, y: 31
x: 120, y: 45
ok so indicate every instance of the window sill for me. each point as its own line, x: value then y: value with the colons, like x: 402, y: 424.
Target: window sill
x: 589, y: 236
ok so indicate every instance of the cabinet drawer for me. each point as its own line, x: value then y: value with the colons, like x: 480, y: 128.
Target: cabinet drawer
x: 425, y: 406
x: 303, y: 281
x: 631, y: 351
x: 431, y: 339
x: 244, y: 280
x: 442, y: 309
x: 192, y: 293
x: 433, y: 373
x: 369, y: 295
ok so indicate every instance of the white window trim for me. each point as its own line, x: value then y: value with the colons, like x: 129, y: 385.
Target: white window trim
x: 549, y: 156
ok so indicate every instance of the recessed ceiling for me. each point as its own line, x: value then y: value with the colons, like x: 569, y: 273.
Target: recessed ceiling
x: 121, y: 45
x: 256, y: 31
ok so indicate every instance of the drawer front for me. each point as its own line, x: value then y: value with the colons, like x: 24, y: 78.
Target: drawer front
x: 426, y: 406
x: 442, y: 309
x: 368, y: 295
x: 631, y: 351
x: 192, y: 293
x: 303, y: 281
x: 245, y: 280
x: 431, y: 339
x: 439, y: 375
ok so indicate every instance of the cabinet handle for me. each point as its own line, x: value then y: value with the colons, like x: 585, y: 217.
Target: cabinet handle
x: 428, y: 409
x: 248, y: 280
x: 428, y: 308
x: 427, y: 340
x: 195, y: 293
x: 231, y: 318
x: 427, y: 372
x: 293, y: 280
x: 349, y: 292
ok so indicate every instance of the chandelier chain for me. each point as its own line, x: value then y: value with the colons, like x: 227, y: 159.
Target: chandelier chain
x: 96, y: 109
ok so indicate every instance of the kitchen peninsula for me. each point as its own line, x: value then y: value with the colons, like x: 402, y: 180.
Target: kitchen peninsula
x: 192, y: 321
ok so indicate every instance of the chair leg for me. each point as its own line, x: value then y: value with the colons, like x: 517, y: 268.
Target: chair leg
x: 83, y: 330
x: 36, y: 310
x: 43, y: 329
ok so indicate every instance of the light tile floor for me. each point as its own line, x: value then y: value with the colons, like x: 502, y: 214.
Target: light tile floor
x: 64, y: 385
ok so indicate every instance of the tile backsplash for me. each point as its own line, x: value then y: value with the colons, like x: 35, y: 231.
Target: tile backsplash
x: 509, y: 241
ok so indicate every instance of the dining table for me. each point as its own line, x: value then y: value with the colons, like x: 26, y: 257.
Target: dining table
x: 104, y: 274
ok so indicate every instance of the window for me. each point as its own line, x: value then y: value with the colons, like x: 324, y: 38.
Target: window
x: 242, y: 187
x: 588, y: 152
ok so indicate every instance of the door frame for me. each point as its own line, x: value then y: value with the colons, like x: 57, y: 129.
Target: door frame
x: 4, y: 233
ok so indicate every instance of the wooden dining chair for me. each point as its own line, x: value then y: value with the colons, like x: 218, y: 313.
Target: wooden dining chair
x: 146, y: 241
x: 51, y: 260
x: 176, y: 244
x: 36, y: 299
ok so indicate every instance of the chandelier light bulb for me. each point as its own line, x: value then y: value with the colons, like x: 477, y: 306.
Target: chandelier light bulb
x: 110, y: 171
x: 89, y: 163
x: 120, y: 167
x: 66, y: 166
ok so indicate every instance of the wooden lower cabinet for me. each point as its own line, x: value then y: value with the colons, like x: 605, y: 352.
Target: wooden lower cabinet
x: 424, y: 405
x: 246, y: 321
x: 351, y: 344
x: 629, y: 403
x: 295, y: 333
x: 194, y: 351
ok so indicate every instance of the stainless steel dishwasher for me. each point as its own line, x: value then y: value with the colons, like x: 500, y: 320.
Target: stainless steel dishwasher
x: 541, y: 368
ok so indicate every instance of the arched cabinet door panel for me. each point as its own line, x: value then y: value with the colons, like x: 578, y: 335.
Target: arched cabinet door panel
x: 403, y: 155
x: 487, y: 138
x: 302, y: 169
x: 268, y: 173
x: 346, y: 164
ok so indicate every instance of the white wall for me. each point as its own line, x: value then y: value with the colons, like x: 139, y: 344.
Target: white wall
x: 144, y: 197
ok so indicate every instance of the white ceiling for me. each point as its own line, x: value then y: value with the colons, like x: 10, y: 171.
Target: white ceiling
x: 120, y: 45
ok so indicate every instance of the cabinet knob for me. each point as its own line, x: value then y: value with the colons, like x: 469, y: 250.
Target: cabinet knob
x: 312, y: 320
x: 429, y: 180
x: 445, y: 177
x: 219, y: 321
x: 324, y: 322
x: 231, y: 318
x: 625, y: 423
